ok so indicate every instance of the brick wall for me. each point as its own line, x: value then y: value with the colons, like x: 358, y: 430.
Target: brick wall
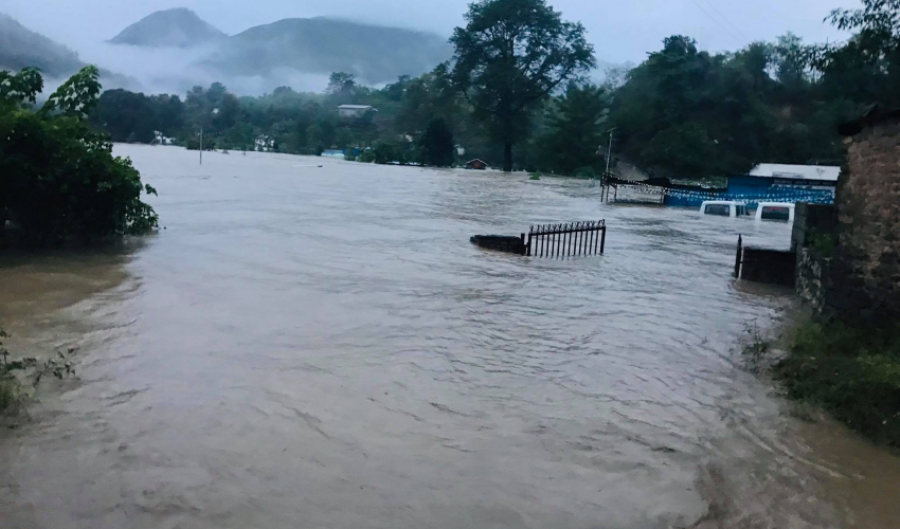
x: 867, y: 265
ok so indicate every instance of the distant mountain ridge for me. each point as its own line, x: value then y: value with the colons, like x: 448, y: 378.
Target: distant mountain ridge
x: 320, y: 45
x: 178, y: 28
x: 323, y: 45
x: 20, y: 47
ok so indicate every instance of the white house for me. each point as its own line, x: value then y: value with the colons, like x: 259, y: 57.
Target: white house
x: 160, y: 139
x: 264, y: 143
x: 355, y: 111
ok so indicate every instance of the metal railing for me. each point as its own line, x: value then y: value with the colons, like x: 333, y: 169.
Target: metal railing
x: 573, y: 239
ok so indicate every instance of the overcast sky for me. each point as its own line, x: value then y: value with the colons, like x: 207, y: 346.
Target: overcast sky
x: 621, y: 30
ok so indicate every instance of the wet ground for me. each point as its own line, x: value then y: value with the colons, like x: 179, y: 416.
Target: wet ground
x: 323, y: 348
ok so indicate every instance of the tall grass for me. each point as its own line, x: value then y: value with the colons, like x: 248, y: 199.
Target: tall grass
x: 851, y: 369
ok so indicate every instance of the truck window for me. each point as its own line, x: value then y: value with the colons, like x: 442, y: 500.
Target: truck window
x: 722, y: 210
x: 776, y: 213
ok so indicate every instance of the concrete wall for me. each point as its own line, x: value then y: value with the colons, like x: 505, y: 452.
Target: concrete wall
x: 775, y: 267
x: 867, y: 264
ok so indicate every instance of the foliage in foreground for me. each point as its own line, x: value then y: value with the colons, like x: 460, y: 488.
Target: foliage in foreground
x: 852, y: 370
x: 19, y: 377
x: 60, y: 179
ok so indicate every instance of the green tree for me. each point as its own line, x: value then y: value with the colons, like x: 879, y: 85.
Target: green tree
x: 20, y: 89
x: 341, y: 83
x: 511, y: 55
x: 77, y: 96
x: 60, y: 178
x: 867, y: 68
x: 169, y: 113
x: 437, y: 144
x: 574, y: 137
x: 127, y: 116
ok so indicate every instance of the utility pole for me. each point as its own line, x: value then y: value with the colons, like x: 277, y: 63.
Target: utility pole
x: 201, y: 147
x: 609, y: 153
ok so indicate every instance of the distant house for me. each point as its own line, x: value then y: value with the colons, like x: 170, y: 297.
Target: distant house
x: 264, y: 143
x: 160, y: 139
x: 355, y: 111
x: 460, y: 150
x: 333, y: 153
x: 476, y: 164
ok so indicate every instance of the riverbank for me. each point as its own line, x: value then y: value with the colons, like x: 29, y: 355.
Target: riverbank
x: 851, y: 370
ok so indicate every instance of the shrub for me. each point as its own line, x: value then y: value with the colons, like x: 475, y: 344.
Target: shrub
x: 13, y: 371
x: 852, y: 370
x: 60, y: 178
x: 385, y: 153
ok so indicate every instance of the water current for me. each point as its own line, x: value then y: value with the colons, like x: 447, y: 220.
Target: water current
x: 322, y: 347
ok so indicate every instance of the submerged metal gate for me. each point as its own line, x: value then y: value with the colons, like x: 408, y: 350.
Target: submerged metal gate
x: 566, y: 240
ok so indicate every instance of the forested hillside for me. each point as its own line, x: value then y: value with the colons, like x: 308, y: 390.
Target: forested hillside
x: 683, y: 112
x: 22, y: 48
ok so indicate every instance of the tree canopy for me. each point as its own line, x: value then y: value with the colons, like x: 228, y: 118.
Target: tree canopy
x: 511, y: 55
x: 60, y: 179
x: 683, y: 112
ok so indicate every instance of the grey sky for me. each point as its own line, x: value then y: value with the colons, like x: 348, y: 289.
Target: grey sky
x: 621, y: 30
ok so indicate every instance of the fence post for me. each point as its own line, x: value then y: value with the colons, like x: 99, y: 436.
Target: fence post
x: 524, y: 248
x: 603, y: 239
x: 737, y: 258
x: 528, y: 246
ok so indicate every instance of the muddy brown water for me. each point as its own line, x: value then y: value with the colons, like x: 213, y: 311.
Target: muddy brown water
x: 323, y: 348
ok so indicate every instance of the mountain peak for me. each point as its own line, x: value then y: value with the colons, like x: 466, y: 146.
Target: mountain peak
x: 179, y: 28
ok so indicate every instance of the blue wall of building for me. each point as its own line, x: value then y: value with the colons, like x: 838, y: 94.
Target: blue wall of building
x: 751, y: 190
x: 748, y: 185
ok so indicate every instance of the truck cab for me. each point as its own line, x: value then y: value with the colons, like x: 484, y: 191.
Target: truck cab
x: 724, y: 208
x: 775, y: 211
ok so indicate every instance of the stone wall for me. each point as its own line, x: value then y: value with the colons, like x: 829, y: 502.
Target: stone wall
x: 867, y: 263
x: 501, y: 243
x: 810, y: 221
x: 814, y: 278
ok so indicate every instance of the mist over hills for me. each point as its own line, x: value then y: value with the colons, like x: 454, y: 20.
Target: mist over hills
x: 173, y: 50
x: 180, y: 28
x: 318, y: 45
x: 321, y: 45
x: 20, y: 48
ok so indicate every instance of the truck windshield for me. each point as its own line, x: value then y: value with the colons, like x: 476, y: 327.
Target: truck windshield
x: 722, y: 210
x: 776, y: 213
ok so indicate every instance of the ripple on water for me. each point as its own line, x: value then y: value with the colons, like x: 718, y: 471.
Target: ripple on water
x: 324, y: 348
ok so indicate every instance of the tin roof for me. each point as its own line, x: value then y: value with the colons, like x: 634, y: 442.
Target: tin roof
x: 827, y: 173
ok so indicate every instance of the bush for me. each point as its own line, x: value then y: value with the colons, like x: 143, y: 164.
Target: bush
x: 60, y: 179
x: 852, y: 370
x: 384, y: 153
x: 12, y: 373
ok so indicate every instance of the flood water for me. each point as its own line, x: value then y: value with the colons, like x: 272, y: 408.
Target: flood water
x: 307, y: 347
